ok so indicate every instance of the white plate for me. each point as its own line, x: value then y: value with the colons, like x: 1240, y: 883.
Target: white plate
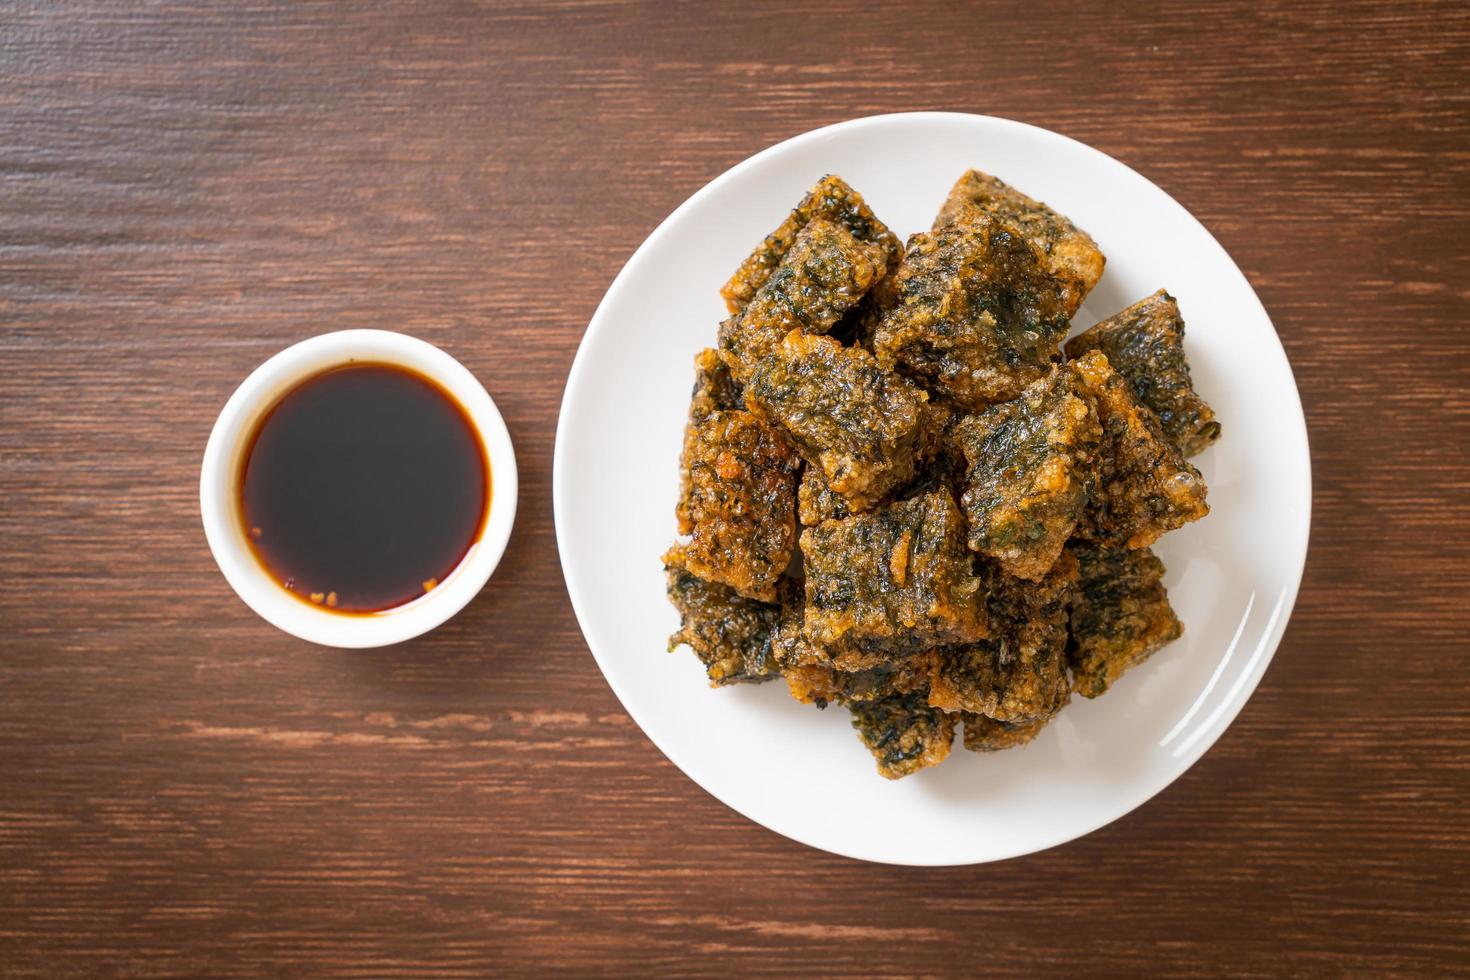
x: 801, y: 772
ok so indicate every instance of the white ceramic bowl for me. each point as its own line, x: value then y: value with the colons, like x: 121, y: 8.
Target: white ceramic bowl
x: 1232, y: 577
x: 224, y: 455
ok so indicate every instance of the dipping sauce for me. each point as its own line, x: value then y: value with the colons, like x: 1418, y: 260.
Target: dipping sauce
x: 364, y: 487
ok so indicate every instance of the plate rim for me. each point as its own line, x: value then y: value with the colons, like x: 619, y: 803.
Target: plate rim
x: 1255, y: 671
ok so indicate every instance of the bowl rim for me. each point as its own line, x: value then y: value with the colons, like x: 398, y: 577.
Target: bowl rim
x: 224, y: 452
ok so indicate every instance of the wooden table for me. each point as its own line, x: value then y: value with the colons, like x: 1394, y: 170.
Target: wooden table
x: 187, y: 188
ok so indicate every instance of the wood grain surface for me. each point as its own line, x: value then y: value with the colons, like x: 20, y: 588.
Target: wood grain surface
x: 186, y: 188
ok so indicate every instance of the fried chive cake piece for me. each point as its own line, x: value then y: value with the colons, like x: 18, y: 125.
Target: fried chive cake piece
x: 895, y: 581
x: 858, y: 327
x: 937, y: 446
x: 1145, y: 344
x: 818, y: 676
x: 793, y: 650
x: 842, y: 412
x: 1031, y: 468
x: 816, y: 501
x: 715, y: 388
x: 985, y: 734
x: 730, y: 634
x: 1120, y: 617
x: 822, y: 685
x: 938, y: 457
x: 976, y: 314
x: 1145, y: 486
x: 789, y: 646
x: 737, y: 503
x: 903, y: 733
x: 1016, y: 674
x: 1070, y: 253
x: 823, y: 276
x: 830, y: 199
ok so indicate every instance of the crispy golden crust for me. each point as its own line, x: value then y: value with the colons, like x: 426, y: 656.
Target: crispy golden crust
x: 939, y: 458
x: 822, y: 277
x: 1016, y: 674
x: 737, y: 503
x: 903, y: 733
x: 1070, y: 253
x: 715, y: 388
x: 895, y: 581
x: 1145, y: 344
x: 1120, y: 617
x: 821, y: 684
x: 976, y: 316
x: 1145, y: 486
x: 843, y: 413
x: 1032, y: 464
x: 730, y: 634
x: 791, y: 645
x: 983, y: 734
x: 816, y: 501
x: 859, y: 326
x: 831, y: 199
x: 937, y: 445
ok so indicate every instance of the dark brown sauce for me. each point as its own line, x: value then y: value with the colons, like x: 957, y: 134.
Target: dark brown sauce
x: 364, y: 487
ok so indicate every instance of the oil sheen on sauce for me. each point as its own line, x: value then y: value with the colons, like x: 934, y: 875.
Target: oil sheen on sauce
x: 364, y: 487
